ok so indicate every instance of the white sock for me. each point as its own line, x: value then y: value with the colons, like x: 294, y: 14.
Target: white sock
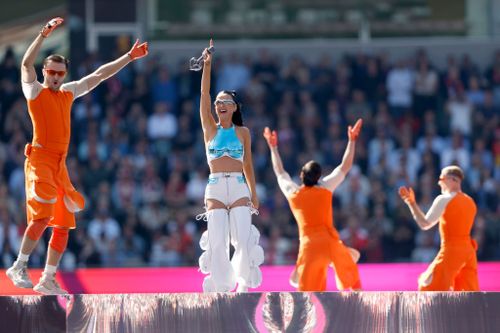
x: 23, y: 257
x: 50, y: 270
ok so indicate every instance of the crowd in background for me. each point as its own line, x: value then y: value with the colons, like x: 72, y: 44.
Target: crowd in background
x: 137, y: 153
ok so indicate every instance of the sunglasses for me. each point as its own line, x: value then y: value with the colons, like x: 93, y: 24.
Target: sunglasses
x: 224, y: 102
x: 52, y: 72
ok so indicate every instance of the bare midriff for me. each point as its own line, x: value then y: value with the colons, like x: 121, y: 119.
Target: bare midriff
x: 225, y: 164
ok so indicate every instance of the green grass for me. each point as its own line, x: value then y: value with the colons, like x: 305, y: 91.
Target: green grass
x: 15, y: 10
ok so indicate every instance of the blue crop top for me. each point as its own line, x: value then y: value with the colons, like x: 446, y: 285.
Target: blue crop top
x: 225, y: 143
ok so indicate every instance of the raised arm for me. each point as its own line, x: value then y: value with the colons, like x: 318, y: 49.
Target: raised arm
x: 285, y: 182
x: 332, y: 180
x: 208, y: 123
x: 424, y: 221
x: 272, y: 142
x: 348, y: 158
x: 111, y: 68
x: 248, y: 166
x: 28, y: 73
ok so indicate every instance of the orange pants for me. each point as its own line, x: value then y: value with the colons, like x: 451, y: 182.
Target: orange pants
x: 49, y: 192
x: 454, y: 268
x: 316, y: 253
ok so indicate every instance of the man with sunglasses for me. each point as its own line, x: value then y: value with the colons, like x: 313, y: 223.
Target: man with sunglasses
x: 51, y: 199
x: 455, y: 266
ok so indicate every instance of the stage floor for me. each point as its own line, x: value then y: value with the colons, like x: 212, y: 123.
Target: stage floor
x: 374, y: 277
x: 265, y: 312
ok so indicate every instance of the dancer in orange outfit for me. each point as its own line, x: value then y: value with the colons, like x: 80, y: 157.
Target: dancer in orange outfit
x: 311, y: 205
x: 455, y: 266
x: 51, y: 199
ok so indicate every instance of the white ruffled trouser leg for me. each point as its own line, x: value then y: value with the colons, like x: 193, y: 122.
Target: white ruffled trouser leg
x: 248, y: 254
x: 215, y: 259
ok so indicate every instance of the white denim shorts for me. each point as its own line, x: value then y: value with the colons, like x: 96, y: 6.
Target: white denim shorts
x: 226, y: 187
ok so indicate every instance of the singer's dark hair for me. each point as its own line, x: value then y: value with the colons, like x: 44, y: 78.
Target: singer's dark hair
x: 237, y: 116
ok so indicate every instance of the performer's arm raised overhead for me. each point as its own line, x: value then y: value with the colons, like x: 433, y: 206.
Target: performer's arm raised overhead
x: 285, y: 182
x: 336, y: 177
x: 208, y: 123
x: 106, y: 71
x: 28, y: 73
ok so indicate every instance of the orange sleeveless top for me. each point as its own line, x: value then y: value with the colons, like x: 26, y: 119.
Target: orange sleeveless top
x: 50, y: 113
x: 312, y: 208
x: 458, y: 218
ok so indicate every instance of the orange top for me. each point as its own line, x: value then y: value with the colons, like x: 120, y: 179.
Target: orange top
x: 458, y: 218
x: 312, y: 208
x: 50, y: 113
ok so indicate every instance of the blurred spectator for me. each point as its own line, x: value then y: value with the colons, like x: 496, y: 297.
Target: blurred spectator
x: 162, y: 124
x: 426, y: 249
x: 355, y: 189
x: 379, y: 147
x: 452, y: 84
x: 426, y: 88
x: 355, y: 236
x: 456, y: 153
x: 233, y: 74
x: 460, y: 110
x: 164, y: 89
x: 103, y: 230
x: 195, y: 187
x: 165, y: 250
x: 475, y: 95
x: 130, y: 247
x: 400, y: 82
x: 10, y: 237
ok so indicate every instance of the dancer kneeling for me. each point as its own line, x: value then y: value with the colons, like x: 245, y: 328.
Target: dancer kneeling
x: 311, y: 205
x: 455, y: 265
x: 230, y: 195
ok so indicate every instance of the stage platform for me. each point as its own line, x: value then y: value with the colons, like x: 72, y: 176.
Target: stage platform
x: 169, y: 300
x: 374, y: 277
x: 357, y: 312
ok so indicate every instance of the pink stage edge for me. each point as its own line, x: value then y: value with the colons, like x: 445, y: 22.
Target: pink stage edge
x: 374, y: 277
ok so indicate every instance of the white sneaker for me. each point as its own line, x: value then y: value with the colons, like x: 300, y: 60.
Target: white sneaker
x: 18, y: 274
x: 49, y: 286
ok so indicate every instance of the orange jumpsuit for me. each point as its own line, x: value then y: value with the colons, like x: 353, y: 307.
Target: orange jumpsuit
x: 455, y: 266
x: 49, y: 192
x: 320, y: 243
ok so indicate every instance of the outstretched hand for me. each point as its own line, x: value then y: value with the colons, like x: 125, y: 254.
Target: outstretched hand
x: 138, y: 50
x: 51, y: 26
x: 271, y: 137
x: 353, y: 132
x: 407, y: 195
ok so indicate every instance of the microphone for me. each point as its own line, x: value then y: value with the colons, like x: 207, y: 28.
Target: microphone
x: 197, y: 64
